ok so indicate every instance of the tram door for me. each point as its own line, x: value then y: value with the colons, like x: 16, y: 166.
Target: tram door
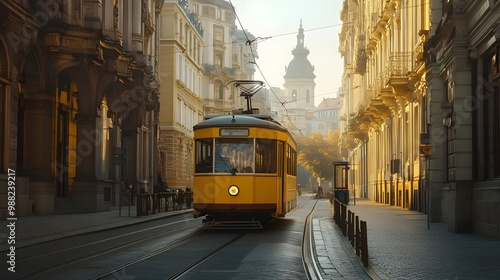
x: 281, y: 186
x: 340, y: 181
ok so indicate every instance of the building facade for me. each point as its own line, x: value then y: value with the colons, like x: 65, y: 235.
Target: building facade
x: 462, y: 64
x: 326, y: 116
x: 419, y: 107
x: 181, y: 100
x: 202, y: 53
x: 79, y: 93
x: 226, y: 56
x: 299, y: 89
x: 383, y: 86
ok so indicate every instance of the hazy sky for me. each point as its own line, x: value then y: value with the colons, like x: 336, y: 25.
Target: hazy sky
x: 280, y: 20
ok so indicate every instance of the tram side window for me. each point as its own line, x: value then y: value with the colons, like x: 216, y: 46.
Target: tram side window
x: 204, y: 158
x: 265, y: 156
x: 291, y: 161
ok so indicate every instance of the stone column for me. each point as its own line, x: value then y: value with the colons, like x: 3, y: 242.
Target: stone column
x: 38, y: 147
x: 137, y: 19
x: 130, y: 141
x: 436, y: 131
x: 458, y: 197
x: 88, y: 190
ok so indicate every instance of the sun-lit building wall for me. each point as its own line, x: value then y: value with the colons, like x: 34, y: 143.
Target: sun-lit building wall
x: 380, y: 98
x: 181, y: 100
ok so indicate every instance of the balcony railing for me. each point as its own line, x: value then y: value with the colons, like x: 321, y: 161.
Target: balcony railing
x: 400, y: 74
x: 400, y: 64
x: 193, y: 17
x: 360, y: 57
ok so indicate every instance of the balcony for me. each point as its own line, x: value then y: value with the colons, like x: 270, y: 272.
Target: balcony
x: 217, y: 70
x: 400, y: 75
x: 371, y: 113
x: 379, y: 21
x: 359, y: 64
x: 192, y: 16
x: 377, y: 112
x: 388, y: 98
x: 350, y: 140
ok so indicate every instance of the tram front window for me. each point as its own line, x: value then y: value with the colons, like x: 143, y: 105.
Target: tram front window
x: 234, y: 155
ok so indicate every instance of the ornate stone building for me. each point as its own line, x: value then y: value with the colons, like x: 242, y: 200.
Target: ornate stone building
x: 420, y: 107
x: 201, y: 53
x: 462, y: 64
x: 299, y: 89
x: 382, y: 103
x: 226, y: 56
x: 326, y: 116
x: 181, y: 53
x: 78, y: 103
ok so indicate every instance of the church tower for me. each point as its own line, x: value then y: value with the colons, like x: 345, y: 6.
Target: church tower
x: 299, y: 78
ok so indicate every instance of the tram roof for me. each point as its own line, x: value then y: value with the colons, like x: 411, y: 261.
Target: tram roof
x: 253, y: 120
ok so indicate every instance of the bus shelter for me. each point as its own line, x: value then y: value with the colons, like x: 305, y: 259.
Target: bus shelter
x: 340, y: 181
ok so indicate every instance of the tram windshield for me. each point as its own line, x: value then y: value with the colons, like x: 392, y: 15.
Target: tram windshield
x: 236, y: 155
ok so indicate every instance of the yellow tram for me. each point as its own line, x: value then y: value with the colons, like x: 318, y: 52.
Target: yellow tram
x: 246, y: 168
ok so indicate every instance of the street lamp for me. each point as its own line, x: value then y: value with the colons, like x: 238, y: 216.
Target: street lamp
x: 447, y: 120
x: 448, y: 113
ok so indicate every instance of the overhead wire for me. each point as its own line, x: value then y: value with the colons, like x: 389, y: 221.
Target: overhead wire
x: 261, y: 39
x: 249, y: 43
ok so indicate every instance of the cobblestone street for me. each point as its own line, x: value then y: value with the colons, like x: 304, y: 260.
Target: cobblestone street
x: 401, y: 247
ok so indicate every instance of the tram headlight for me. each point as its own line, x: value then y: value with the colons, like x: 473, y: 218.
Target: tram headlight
x: 233, y: 190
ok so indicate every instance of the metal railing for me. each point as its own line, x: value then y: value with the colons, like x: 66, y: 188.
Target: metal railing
x: 152, y: 203
x: 353, y: 228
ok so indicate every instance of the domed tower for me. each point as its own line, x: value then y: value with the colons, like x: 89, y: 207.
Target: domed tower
x: 299, y: 78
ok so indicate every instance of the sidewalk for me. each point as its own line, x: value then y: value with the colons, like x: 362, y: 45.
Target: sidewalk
x: 400, y: 246
x: 334, y: 255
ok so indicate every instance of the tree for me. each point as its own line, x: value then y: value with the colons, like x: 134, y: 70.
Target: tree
x: 317, y: 153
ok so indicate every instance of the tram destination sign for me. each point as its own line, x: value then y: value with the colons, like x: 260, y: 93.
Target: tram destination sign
x: 234, y: 132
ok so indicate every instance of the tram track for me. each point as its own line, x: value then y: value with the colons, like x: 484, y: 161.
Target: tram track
x: 110, y: 239
x: 308, y: 250
x: 200, y: 260
x: 175, y: 257
x: 184, y: 244
x: 152, y: 254
x: 178, y: 271
x: 236, y: 234
x: 120, y: 246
